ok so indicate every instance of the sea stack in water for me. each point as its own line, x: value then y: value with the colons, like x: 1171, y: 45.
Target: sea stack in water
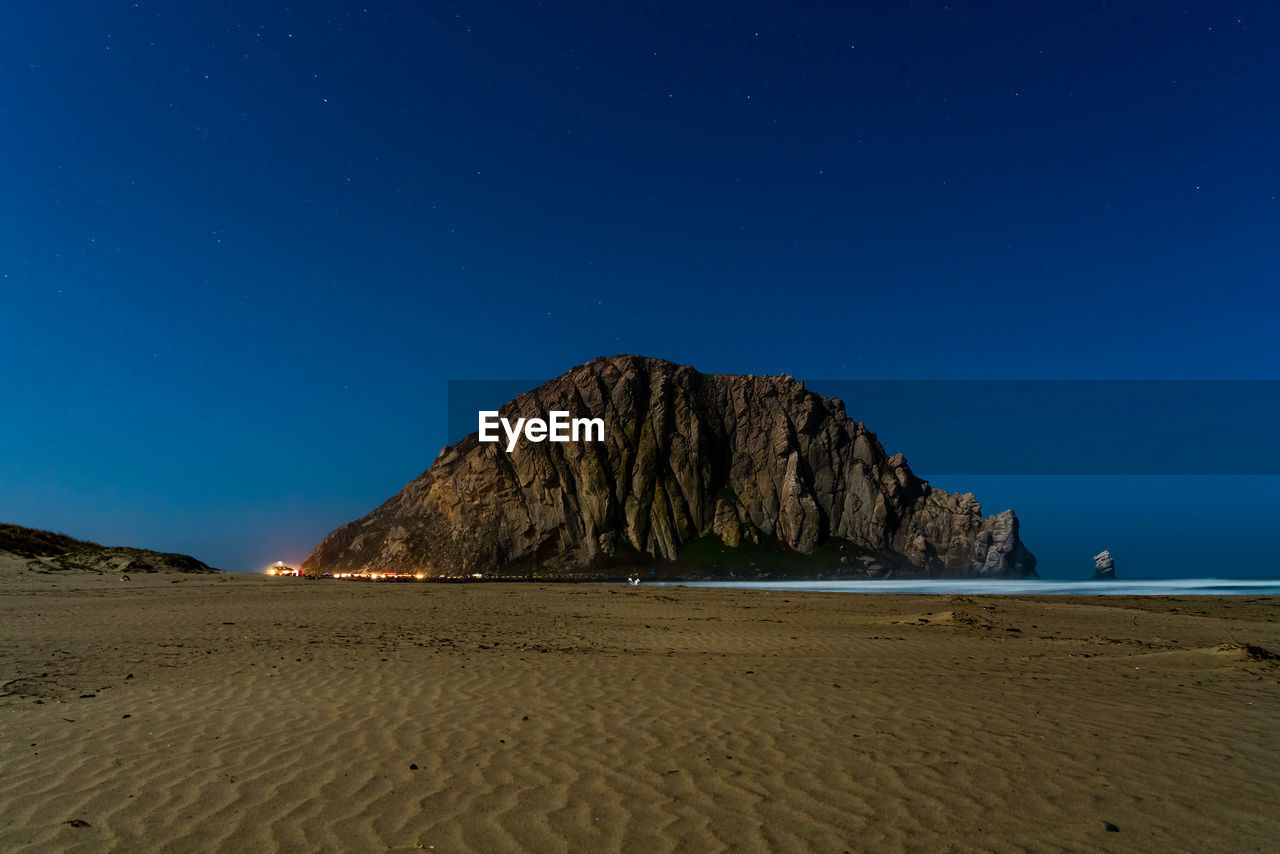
x: 1104, y: 566
x: 696, y: 475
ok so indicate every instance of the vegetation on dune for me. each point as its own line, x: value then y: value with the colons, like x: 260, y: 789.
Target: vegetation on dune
x: 47, y: 551
x: 31, y: 542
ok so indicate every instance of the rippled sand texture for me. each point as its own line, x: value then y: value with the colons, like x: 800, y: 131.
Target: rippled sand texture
x: 254, y: 714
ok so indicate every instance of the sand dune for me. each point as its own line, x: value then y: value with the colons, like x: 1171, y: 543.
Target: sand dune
x: 282, y: 715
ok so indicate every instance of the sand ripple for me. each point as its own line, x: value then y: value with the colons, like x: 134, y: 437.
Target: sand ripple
x: 288, y: 716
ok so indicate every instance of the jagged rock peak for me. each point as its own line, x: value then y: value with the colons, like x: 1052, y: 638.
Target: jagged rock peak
x: 708, y: 473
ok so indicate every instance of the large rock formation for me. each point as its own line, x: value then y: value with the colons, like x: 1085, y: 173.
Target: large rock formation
x: 44, y: 551
x: 698, y: 475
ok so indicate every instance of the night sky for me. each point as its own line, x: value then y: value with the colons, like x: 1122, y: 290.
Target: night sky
x: 246, y: 245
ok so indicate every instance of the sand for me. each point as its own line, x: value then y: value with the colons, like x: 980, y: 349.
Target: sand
x: 253, y: 714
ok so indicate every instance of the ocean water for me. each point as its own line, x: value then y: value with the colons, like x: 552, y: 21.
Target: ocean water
x: 1019, y: 587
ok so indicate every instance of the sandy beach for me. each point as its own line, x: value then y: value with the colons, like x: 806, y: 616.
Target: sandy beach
x: 242, y: 713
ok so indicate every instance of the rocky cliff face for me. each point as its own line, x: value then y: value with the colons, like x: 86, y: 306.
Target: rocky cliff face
x: 698, y: 475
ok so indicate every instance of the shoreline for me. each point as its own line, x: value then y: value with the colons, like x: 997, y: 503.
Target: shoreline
x: 969, y: 585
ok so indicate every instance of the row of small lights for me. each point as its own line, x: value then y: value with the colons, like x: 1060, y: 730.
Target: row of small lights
x: 380, y: 575
x: 372, y: 576
x: 375, y: 576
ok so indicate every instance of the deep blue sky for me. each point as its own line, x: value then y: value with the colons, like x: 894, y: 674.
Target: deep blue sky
x: 246, y: 244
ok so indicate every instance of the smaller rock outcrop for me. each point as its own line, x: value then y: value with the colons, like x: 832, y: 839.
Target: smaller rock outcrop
x: 1104, y: 566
